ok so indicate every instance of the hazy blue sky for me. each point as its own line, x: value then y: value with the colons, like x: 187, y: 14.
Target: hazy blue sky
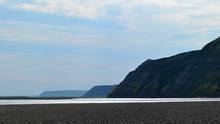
x: 75, y: 44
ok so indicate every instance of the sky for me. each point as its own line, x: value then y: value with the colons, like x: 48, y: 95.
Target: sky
x: 76, y: 44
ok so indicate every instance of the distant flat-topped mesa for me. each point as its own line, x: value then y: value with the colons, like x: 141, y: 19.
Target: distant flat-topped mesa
x: 190, y: 74
x: 99, y: 91
x: 63, y: 93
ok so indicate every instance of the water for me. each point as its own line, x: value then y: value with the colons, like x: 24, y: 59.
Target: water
x: 105, y: 100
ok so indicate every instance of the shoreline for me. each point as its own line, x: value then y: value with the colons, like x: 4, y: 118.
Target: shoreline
x: 117, y: 113
x: 104, y: 101
x: 129, y: 103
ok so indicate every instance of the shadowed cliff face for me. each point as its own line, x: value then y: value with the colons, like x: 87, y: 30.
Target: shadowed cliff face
x: 99, y: 91
x: 190, y: 74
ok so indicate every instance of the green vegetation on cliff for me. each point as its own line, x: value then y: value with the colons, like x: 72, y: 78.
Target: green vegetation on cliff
x: 190, y: 74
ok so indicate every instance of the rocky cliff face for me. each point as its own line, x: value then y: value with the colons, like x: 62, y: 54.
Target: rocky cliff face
x: 190, y: 74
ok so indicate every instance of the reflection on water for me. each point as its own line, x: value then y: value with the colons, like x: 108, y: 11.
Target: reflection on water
x: 105, y: 100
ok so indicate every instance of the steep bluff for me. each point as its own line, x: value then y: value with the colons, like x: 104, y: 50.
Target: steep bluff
x: 190, y: 74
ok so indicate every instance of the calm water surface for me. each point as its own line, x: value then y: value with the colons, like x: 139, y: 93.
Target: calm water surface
x: 105, y: 100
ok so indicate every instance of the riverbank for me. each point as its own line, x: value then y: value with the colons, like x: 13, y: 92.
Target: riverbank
x: 125, y: 113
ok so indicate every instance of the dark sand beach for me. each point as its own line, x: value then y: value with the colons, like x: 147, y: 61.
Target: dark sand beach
x: 149, y: 113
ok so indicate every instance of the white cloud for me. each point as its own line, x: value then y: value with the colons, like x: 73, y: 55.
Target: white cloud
x: 168, y: 17
x: 13, y: 31
x: 177, y: 11
x: 89, y: 8
x: 74, y: 8
x: 3, y: 1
